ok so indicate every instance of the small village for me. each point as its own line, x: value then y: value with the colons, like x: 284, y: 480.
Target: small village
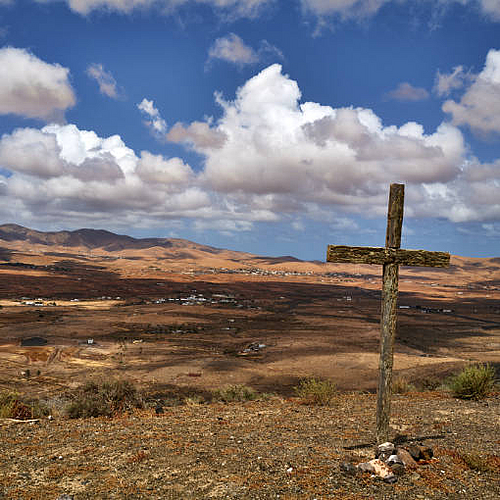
x: 195, y: 298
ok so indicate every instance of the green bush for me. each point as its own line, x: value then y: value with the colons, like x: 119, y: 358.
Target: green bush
x: 473, y: 382
x: 314, y: 391
x: 95, y: 399
x: 234, y: 393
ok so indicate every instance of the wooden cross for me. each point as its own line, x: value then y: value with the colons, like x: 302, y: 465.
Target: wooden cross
x: 391, y: 257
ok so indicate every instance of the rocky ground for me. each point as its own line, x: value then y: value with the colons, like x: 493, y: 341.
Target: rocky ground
x: 278, y: 448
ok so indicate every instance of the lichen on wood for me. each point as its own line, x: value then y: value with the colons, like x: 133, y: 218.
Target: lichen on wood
x: 381, y: 256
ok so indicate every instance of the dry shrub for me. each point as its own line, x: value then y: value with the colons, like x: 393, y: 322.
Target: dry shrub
x: 473, y: 382
x: 430, y: 383
x: 473, y: 460
x: 401, y: 385
x: 109, y: 398
x: 54, y: 405
x: 476, y: 462
x: 140, y: 456
x: 194, y: 400
x: 234, y: 393
x: 12, y: 405
x: 314, y: 391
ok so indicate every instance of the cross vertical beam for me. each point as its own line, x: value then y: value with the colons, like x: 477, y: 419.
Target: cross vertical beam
x: 391, y: 257
x: 388, y: 312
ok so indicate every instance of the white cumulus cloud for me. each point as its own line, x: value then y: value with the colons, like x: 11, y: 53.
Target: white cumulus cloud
x: 66, y: 173
x: 197, y: 134
x: 479, y: 106
x: 157, y: 169
x: 232, y: 49
x: 33, y: 88
x: 32, y: 152
x: 268, y: 157
x: 279, y: 154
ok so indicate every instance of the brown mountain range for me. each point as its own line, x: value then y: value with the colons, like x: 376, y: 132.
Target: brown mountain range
x: 138, y: 257
x: 99, y: 242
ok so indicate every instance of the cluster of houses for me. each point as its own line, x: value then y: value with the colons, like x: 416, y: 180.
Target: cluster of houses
x: 198, y: 299
x: 190, y: 300
x: 26, y: 301
x: 423, y: 309
x: 256, y: 271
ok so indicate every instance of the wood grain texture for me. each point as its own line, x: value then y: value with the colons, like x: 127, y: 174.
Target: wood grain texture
x: 395, y: 216
x: 381, y: 256
x: 387, y: 336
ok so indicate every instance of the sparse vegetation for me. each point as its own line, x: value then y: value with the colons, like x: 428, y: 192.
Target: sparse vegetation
x: 194, y: 400
x: 400, y: 385
x: 12, y: 405
x: 476, y: 462
x: 235, y: 393
x: 315, y: 391
x: 473, y: 382
x: 429, y: 383
x: 54, y: 405
x: 177, y: 453
x: 108, y: 398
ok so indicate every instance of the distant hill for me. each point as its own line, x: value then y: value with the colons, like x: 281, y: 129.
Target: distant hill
x: 86, y: 238
x: 185, y: 254
x: 101, y: 241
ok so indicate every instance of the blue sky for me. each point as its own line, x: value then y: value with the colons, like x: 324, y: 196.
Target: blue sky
x: 269, y: 126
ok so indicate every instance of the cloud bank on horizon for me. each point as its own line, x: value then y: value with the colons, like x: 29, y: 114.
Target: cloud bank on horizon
x: 267, y: 155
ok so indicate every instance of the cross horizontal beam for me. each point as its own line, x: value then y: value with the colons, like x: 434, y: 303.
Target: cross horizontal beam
x: 381, y: 255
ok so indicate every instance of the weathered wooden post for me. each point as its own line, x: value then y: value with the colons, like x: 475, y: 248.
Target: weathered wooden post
x: 390, y: 282
x: 391, y: 257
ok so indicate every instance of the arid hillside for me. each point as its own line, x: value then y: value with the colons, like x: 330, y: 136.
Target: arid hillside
x: 91, y: 243
x: 181, y: 320
x: 174, y: 311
